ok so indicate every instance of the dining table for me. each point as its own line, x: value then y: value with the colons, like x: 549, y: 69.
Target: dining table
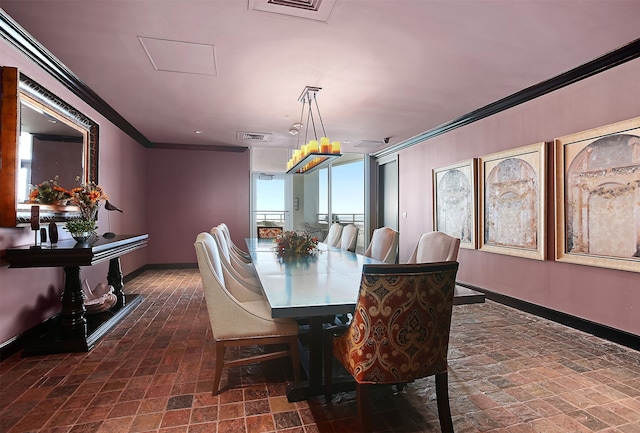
x: 313, y: 288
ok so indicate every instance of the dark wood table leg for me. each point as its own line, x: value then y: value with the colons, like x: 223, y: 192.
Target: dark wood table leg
x: 116, y: 279
x: 314, y: 385
x: 316, y: 355
x: 72, y: 317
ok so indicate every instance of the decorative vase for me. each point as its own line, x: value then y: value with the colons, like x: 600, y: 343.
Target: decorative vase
x: 81, y: 237
x: 89, y: 212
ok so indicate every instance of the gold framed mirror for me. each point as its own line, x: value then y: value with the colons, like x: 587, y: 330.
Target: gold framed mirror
x: 43, y: 139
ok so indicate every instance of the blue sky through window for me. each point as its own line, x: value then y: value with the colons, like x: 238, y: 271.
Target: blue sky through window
x: 347, y: 191
x: 270, y: 195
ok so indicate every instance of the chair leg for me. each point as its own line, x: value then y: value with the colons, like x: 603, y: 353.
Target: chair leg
x: 328, y: 366
x: 362, y: 399
x: 219, y: 365
x: 442, y: 395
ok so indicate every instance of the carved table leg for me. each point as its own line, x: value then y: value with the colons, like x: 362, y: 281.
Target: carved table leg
x: 115, y: 279
x: 73, y: 320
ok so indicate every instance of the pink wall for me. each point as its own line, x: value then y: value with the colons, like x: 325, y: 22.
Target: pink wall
x: 604, y: 296
x: 190, y: 191
x: 29, y: 296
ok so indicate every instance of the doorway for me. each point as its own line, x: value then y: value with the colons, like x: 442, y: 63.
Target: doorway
x: 271, y: 208
x: 388, y: 209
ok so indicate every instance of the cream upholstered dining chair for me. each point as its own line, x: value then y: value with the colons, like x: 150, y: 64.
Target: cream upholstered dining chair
x: 240, y: 323
x: 240, y: 254
x: 235, y: 285
x: 250, y: 287
x: 333, y: 237
x: 314, y: 232
x: 247, y: 278
x: 245, y: 270
x: 349, y: 237
x: 384, y: 245
x: 435, y: 247
x: 399, y: 332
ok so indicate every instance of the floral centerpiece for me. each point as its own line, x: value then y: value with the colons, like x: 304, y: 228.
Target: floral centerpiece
x: 49, y: 192
x: 88, y: 197
x: 292, y: 242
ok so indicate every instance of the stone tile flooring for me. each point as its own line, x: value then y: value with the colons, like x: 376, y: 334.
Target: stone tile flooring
x: 508, y: 372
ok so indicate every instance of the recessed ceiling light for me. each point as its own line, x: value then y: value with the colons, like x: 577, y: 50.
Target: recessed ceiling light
x: 197, y: 131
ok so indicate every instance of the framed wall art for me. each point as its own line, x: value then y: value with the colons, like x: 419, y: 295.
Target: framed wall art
x: 597, y: 195
x: 454, y: 201
x: 512, y: 196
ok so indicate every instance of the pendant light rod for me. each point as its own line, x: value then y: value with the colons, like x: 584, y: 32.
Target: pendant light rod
x: 324, y: 133
x: 317, y: 153
x: 313, y: 123
x: 300, y: 125
x: 305, y: 98
x: 309, y: 119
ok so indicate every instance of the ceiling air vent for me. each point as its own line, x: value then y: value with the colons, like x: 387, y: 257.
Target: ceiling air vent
x: 315, y: 10
x: 253, y: 136
x: 310, y: 5
x: 368, y: 143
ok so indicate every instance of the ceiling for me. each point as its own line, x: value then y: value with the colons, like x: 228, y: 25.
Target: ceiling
x: 387, y: 68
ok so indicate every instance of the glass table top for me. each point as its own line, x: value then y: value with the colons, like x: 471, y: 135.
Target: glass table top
x: 303, y: 286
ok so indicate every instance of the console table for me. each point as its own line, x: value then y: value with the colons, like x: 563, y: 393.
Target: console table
x: 72, y: 330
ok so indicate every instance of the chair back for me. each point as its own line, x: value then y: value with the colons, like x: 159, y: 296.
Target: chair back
x: 400, y: 328
x: 209, y: 257
x: 226, y: 234
x: 349, y: 237
x: 233, y: 249
x: 384, y: 245
x: 233, y: 281
x: 333, y: 237
x: 244, y: 269
x: 435, y: 247
x: 225, y: 231
x: 222, y: 243
x: 312, y: 231
x: 215, y: 292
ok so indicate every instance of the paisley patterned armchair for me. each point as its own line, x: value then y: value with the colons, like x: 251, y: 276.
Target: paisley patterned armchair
x: 399, y: 332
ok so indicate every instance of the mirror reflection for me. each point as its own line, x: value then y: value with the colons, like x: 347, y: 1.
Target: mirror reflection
x: 56, y: 144
x: 49, y: 149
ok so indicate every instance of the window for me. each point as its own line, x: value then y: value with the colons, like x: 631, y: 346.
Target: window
x: 332, y: 194
x: 270, y: 205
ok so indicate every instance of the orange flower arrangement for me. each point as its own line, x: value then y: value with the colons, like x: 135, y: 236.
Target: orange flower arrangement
x: 49, y: 192
x: 87, y: 197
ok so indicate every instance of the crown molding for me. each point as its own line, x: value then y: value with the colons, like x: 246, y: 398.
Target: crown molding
x: 622, y: 55
x: 13, y: 33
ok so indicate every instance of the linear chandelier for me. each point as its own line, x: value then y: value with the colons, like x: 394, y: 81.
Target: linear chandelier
x: 314, y: 154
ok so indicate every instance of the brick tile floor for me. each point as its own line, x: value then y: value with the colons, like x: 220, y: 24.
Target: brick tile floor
x: 509, y: 372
